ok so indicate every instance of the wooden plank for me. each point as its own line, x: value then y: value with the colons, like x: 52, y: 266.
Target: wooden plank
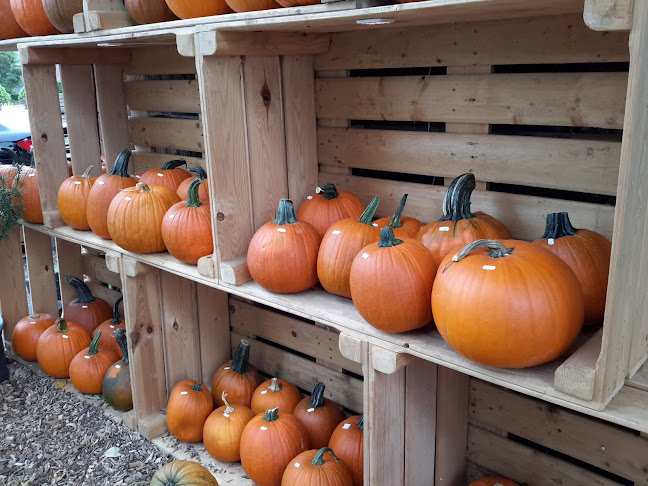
x: 159, y: 60
x: 567, y: 99
x: 102, y: 292
x: 292, y: 333
x: 173, y: 133
x: 606, y: 15
x: 94, y: 266
x: 235, y: 271
x: 640, y: 378
x: 113, y: 115
x: 180, y: 96
x: 107, y: 20
x: 214, y: 325
x: 69, y: 263
x: 557, y: 163
x: 387, y: 361
x: 533, y: 40
x: 143, y: 161
x: 73, y: 56
x: 232, y: 43
x: 13, y: 293
x: 577, y: 375
x: 40, y: 268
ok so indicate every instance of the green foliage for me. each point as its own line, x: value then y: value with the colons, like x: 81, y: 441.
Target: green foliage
x: 59, y: 85
x: 11, y: 206
x: 21, y: 95
x: 4, y: 96
x: 10, y: 71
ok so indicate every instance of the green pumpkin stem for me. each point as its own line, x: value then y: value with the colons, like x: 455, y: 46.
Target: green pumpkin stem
x: 387, y: 238
x: 367, y: 216
x: 94, y: 344
x: 285, y: 212
x: 121, y: 164
x: 120, y: 337
x: 200, y: 171
x: 318, y: 460
x: 62, y: 325
x: 558, y: 225
x: 197, y: 387
x: 228, y: 407
x: 173, y: 164
x: 398, y: 214
x: 317, y: 398
x: 497, y: 250
x: 116, y: 321
x: 193, y: 201
x: 271, y: 415
x: 329, y: 191
x: 82, y: 290
x: 275, y: 386
x: 241, y: 360
x: 456, y: 202
x: 360, y: 423
x: 86, y: 173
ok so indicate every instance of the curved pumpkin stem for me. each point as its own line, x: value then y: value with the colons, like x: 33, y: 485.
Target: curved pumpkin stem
x: 62, y: 325
x: 200, y: 171
x: 121, y: 164
x: 497, y: 250
x: 285, y: 213
x: 86, y: 174
x: 456, y: 202
x: 82, y: 290
x: 329, y: 191
x: 275, y: 386
x: 116, y: 320
x: 271, y: 415
x: 558, y: 225
x: 387, y: 238
x: 241, y: 360
x: 398, y: 214
x: 94, y: 344
x: 142, y: 188
x: 367, y: 216
x: 193, y: 201
x: 360, y: 423
x: 120, y: 337
x: 318, y: 460
x: 173, y: 164
x: 228, y: 407
x: 197, y: 387
x: 317, y: 398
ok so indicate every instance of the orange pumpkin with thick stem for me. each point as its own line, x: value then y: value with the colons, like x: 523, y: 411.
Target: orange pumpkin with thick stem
x: 170, y: 175
x: 32, y: 211
x: 30, y: 15
x: 108, y: 328
x: 319, y: 416
x: 316, y: 469
x: 9, y: 28
x: 275, y: 393
x: 329, y: 206
x: 340, y: 244
x: 116, y: 386
x: 89, y: 367
x: 223, y: 430
x: 58, y: 345
x: 459, y: 226
x: 472, y: 296
x: 252, y: 5
x: 588, y: 255
x: 347, y: 440
x: 190, y: 403
x: 282, y: 256
x: 86, y: 310
x: 72, y: 199
x: 203, y: 189
x: 27, y: 332
x: 188, y: 9
x: 183, y: 473
x: 493, y: 481
x: 237, y: 378
x: 268, y: 444
x: 391, y: 283
x: 404, y: 227
x: 61, y: 13
x: 149, y: 11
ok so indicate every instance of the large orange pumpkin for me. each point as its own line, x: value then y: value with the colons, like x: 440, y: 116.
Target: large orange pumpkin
x: 275, y: 393
x: 493, y: 481
x: 86, y: 310
x: 9, y: 28
x: 203, y: 189
x: 514, y: 306
x: 223, y: 430
x: 315, y: 469
x: 58, y: 345
x: 30, y: 15
x: 135, y: 217
x: 251, y: 5
x: 347, y: 440
x: 149, y: 11
x: 32, y: 211
x: 404, y: 227
x: 108, y: 328
x: 169, y: 175
x: 89, y: 366
x: 72, y: 199
x: 458, y: 226
x: 269, y: 442
x: 183, y: 473
x: 61, y: 13
x: 190, y: 403
x: 188, y: 9
x: 328, y: 206
x: 319, y: 416
x: 104, y: 190
x: 391, y: 283
x: 237, y: 378
x: 116, y: 386
x: 588, y: 255
x: 27, y: 332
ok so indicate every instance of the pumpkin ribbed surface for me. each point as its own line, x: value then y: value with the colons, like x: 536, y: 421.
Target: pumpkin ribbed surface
x: 149, y: 11
x: 317, y: 468
x: 252, y: 5
x: 9, y: 28
x: 187, y: 9
x: 347, y: 442
x: 223, y: 430
x: 32, y: 211
x: 27, y: 332
x: 183, y: 473
x: 30, y: 15
x: 58, y: 345
x: 72, y: 200
x: 61, y: 13
x: 89, y: 366
x: 329, y: 206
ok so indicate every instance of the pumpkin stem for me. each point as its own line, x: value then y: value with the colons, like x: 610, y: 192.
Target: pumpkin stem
x: 497, y: 250
x: 228, y: 407
x: 241, y: 359
x: 456, y: 202
x: 197, y: 387
x: 116, y: 320
x: 61, y: 324
x: 396, y: 219
x: 82, y: 290
x: 317, y: 398
x: 141, y: 187
x: 192, y: 198
x: 285, y: 212
x: 94, y: 344
x: 360, y: 423
x: 387, y: 238
x: 318, y: 460
x: 558, y: 225
x: 329, y: 191
x: 200, y: 171
x: 275, y: 386
x: 120, y: 337
x: 369, y: 212
x: 271, y: 415
x: 86, y: 174
x: 34, y: 316
x: 173, y: 164
x: 121, y: 164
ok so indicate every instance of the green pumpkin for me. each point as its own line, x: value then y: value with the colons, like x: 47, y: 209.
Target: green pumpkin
x: 116, y: 387
x: 183, y: 473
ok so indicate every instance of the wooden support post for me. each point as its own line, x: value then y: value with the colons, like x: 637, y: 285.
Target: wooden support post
x: 113, y: 116
x: 13, y: 293
x: 40, y: 267
x: 214, y: 324
x: 102, y: 15
x: 608, y: 15
x: 69, y: 263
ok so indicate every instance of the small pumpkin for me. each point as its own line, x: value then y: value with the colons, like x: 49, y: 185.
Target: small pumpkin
x: 89, y: 367
x: 8, y: 174
x: 268, y: 444
x: 135, y: 217
x: 86, y: 310
x: 588, y: 255
x: 348, y: 441
x: 544, y: 322
x: 404, y: 227
x: 30, y: 15
x: 72, y: 199
x: 203, y: 189
x: 116, y: 386
x: 190, y: 403
x: 105, y: 188
x: 391, y: 283
x: 149, y: 11
x: 223, y: 430
x: 329, y: 206
x: 319, y: 416
x: 275, y: 393
x: 108, y: 328
x: 32, y: 211
x: 189, y: 9
x: 312, y: 468
x: 282, y: 256
x: 183, y: 473
x: 58, y: 345
x: 170, y: 175
x: 340, y: 244
x: 26, y: 333
x: 493, y: 481
x: 238, y: 378
x: 61, y: 13
x: 187, y: 229
x: 252, y: 5
x: 9, y: 28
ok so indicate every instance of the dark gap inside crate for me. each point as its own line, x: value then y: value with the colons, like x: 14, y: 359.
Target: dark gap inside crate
x: 389, y: 72
x: 553, y: 193
x: 399, y: 176
x: 173, y: 114
x: 169, y: 77
x: 586, y: 133
x: 602, y: 67
x: 286, y: 348
x: 180, y: 153
x: 414, y: 126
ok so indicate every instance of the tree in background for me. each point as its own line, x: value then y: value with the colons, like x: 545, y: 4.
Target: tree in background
x: 10, y: 72
x: 4, y: 96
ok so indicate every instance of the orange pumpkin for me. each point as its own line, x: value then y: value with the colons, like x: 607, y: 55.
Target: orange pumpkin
x: 61, y: 13
x: 297, y: 3
x: 135, y: 217
x: 319, y: 416
x: 340, y: 244
x: 275, y: 393
x: 108, y: 328
x: 282, y: 256
x: 391, y: 283
x: 223, y: 430
x: 458, y: 226
x: 312, y: 468
x: 268, y: 444
x: 89, y: 366
x: 30, y: 15
x: 9, y: 28
x: 329, y: 206
x: 149, y: 11
x: 238, y: 378
x: 348, y: 440
x: 188, y: 9
x: 86, y: 310
x: 472, y: 304
x: 32, y: 211
x: 251, y: 5
x: 190, y: 403
x: 58, y: 345
x: 26, y: 333
x: 116, y: 386
x: 493, y: 481
x: 203, y: 189
x: 105, y: 188
x: 72, y: 199
x: 8, y: 174
x: 187, y: 229
x: 170, y: 175
x: 588, y: 255
x: 183, y: 473
x: 404, y: 227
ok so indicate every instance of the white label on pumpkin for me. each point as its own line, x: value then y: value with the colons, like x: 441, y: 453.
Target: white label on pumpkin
x: 263, y: 427
x: 336, y: 232
x: 84, y: 306
x: 77, y: 183
x: 227, y: 368
x: 374, y: 224
x: 31, y: 175
x: 86, y: 357
x: 488, y: 267
x: 160, y: 174
x: 346, y: 426
x: 111, y: 326
x: 65, y: 336
x: 309, y: 197
x: 184, y: 393
x: 297, y: 464
x: 225, y: 414
x: 444, y: 228
x: 127, y: 198
x: 171, y: 216
x: 101, y: 183
x: 281, y: 230
x: 310, y: 410
x: 117, y: 367
x: 33, y: 322
x: 264, y: 392
x: 365, y: 255
x: 550, y: 241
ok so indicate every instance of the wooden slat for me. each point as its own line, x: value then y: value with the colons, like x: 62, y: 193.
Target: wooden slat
x: 40, y: 268
x: 113, y: 116
x: 159, y: 60
x: 180, y: 96
x: 101, y: 291
x: 94, y: 266
x: 143, y: 161
x: 606, y: 15
x: 576, y: 376
x: 69, y: 263
x: 566, y: 99
x: 13, y: 293
x: 173, y: 133
x: 73, y: 56
x: 231, y: 43
x: 573, y: 165
x: 213, y: 321
x: 535, y: 40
